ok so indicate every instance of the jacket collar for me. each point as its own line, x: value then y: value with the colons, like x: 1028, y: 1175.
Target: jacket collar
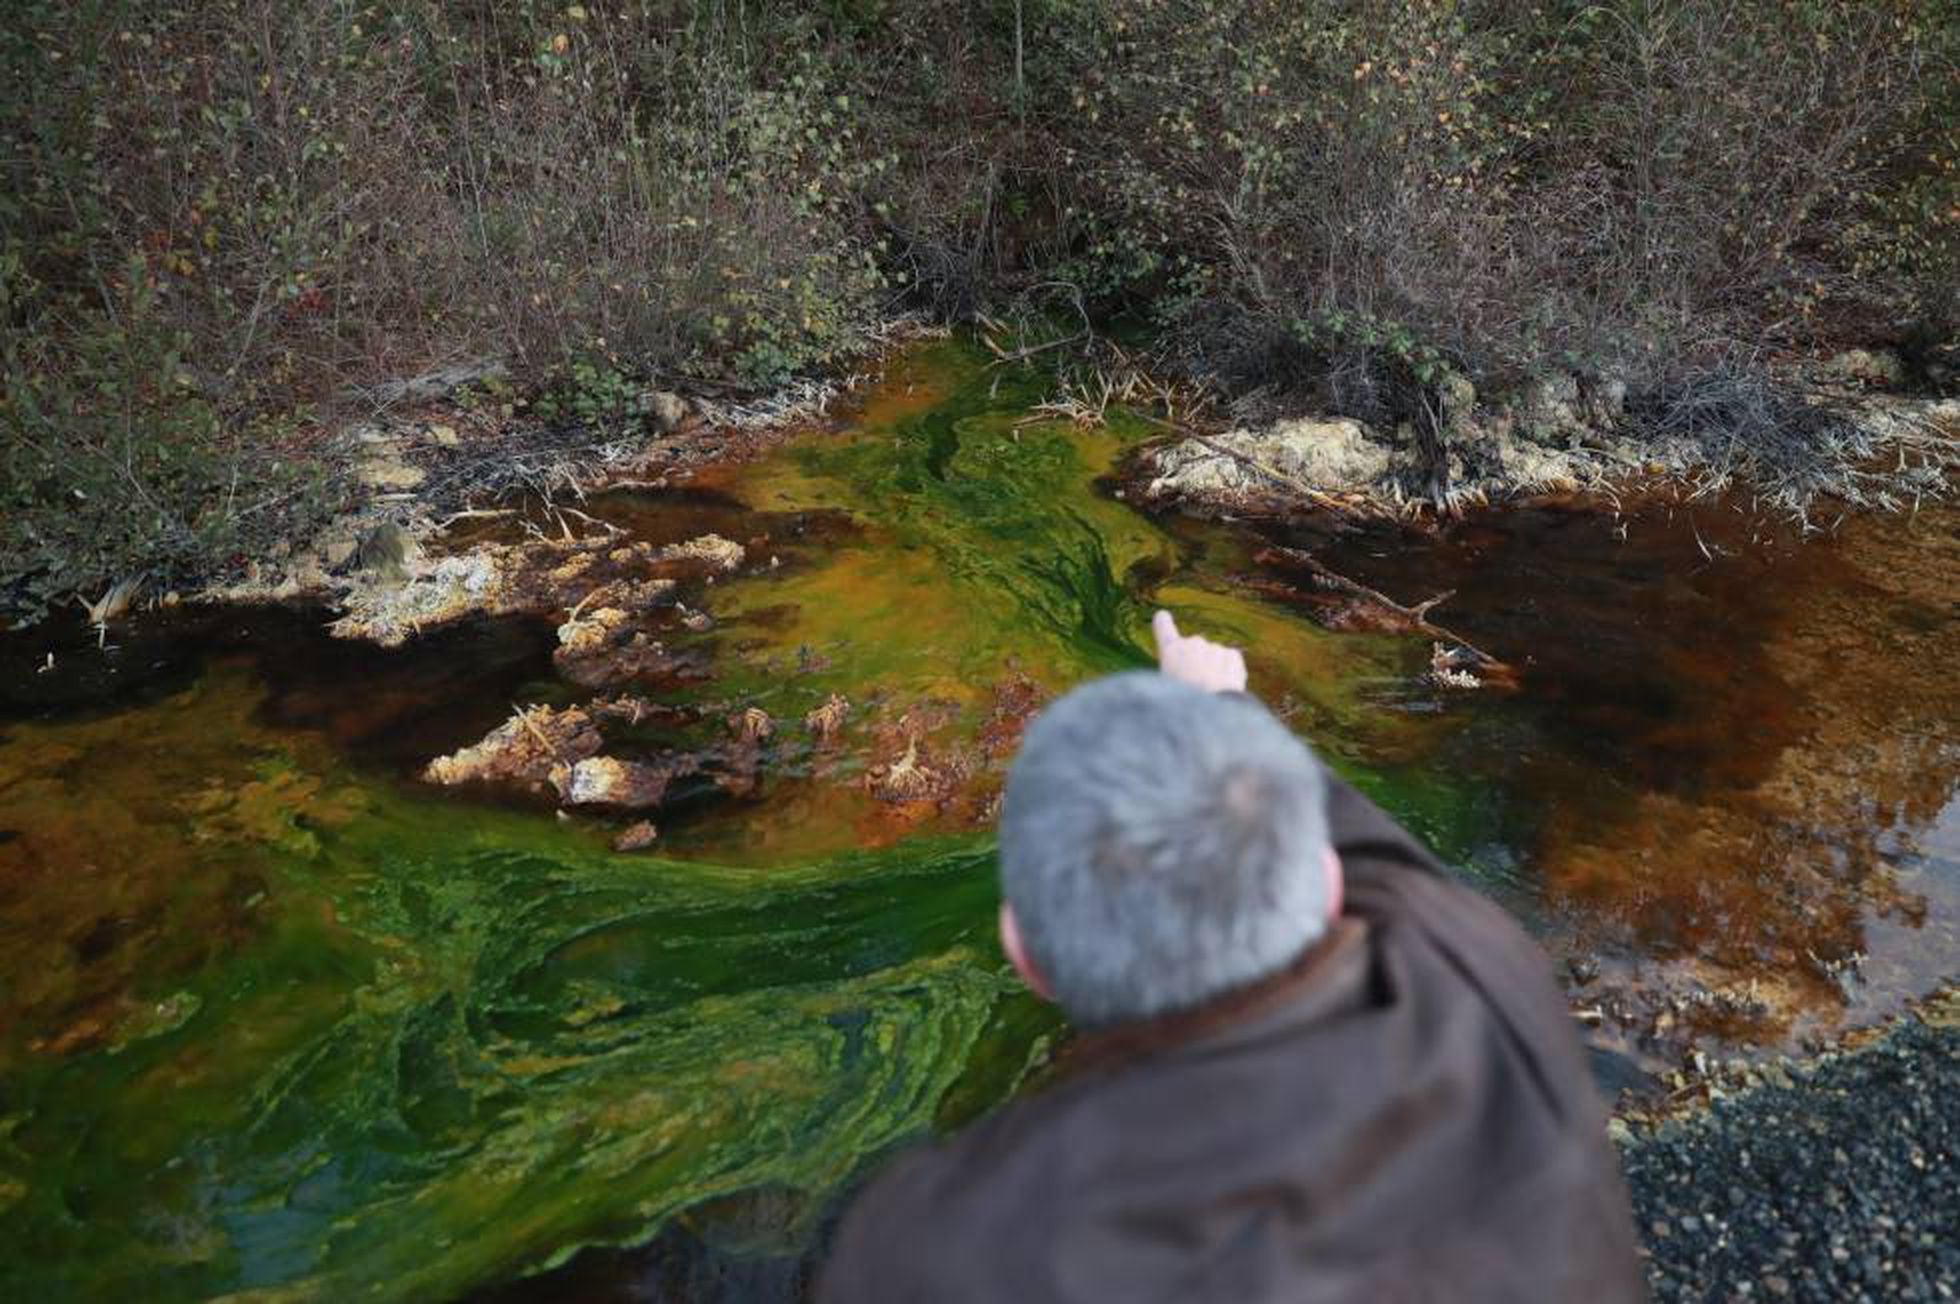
x: 1317, y: 981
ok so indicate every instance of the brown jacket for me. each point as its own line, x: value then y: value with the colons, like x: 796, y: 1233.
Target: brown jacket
x: 1403, y: 1115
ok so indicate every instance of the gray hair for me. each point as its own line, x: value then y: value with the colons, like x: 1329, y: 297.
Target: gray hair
x: 1161, y: 845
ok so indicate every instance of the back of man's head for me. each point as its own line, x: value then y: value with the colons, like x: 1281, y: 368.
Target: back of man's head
x: 1161, y: 845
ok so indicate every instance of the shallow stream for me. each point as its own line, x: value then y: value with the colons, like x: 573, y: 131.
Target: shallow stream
x: 276, y: 1016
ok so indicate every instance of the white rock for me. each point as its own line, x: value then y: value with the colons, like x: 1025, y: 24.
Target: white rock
x: 608, y: 781
x: 1340, y: 453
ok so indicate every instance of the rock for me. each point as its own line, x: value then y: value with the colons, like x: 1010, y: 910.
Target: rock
x: 718, y: 553
x: 632, y: 711
x: 1536, y: 468
x: 445, y: 436
x: 636, y: 837
x: 633, y: 595
x: 739, y: 762
x: 1825, y: 1202
x: 590, y: 633
x: 608, y: 781
x: 390, y: 613
x: 1337, y: 454
x: 306, y: 573
x: 664, y: 409
x: 1453, y: 667
x: 1881, y: 368
x: 601, y: 656
x: 916, y: 773
x: 384, y: 468
x: 1550, y: 406
x: 1606, y: 400
x: 525, y: 749
x: 903, y: 779
x: 1889, y: 417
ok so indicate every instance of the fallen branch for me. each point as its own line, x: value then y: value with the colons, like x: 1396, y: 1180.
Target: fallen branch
x: 1003, y: 358
x: 1459, y: 657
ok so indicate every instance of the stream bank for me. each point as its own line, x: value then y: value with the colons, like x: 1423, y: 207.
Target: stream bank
x: 1825, y: 1180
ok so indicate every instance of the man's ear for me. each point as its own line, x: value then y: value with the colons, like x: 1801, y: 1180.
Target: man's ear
x: 1336, y: 881
x: 1017, y: 954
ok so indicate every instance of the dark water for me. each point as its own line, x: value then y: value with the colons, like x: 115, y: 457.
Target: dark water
x: 275, y: 1016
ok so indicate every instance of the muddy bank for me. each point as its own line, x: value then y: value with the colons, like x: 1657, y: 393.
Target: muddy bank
x: 436, y: 457
x: 1805, y: 446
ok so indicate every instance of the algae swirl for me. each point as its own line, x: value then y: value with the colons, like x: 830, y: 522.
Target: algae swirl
x: 284, y: 1026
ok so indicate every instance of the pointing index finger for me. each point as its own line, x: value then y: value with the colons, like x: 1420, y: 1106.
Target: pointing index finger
x: 1165, y: 628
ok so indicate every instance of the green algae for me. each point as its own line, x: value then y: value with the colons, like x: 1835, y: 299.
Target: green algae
x: 283, y: 1029
x: 1002, y: 552
x: 983, y: 552
x: 453, y: 1047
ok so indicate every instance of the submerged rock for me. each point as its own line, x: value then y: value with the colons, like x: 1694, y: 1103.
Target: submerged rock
x: 636, y: 837
x: 717, y: 553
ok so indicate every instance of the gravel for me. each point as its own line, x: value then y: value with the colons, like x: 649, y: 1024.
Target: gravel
x: 1833, y: 1181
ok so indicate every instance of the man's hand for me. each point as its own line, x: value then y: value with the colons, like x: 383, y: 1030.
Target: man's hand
x: 1197, y: 661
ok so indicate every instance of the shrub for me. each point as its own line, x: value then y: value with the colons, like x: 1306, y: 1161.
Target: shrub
x: 113, y: 467
x: 230, y: 211
x: 1501, y: 187
x: 1353, y: 198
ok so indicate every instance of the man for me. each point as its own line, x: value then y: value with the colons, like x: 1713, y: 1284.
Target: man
x: 1311, y: 1067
